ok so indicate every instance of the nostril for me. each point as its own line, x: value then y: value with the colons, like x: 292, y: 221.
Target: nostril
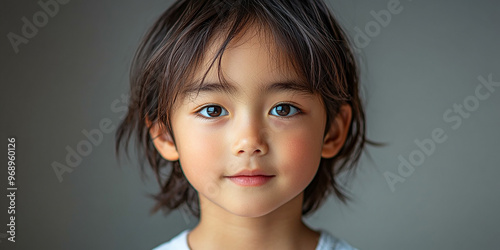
x: 255, y: 151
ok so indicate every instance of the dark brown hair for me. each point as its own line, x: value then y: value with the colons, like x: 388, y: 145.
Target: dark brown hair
x: 304, y: 31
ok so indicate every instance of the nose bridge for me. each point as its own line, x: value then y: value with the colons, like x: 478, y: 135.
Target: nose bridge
x: 250, y: 135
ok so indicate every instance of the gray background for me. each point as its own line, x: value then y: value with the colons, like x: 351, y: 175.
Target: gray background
x: 425, y: 60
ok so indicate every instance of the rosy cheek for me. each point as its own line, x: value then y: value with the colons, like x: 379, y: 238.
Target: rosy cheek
x: 301, y: 152
x: 199, y: 149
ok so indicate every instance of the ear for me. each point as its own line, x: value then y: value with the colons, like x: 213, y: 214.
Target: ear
x: 337, y: 133
x: 163, y: 142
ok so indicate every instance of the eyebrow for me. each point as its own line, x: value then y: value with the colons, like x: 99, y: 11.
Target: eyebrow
x: 284, y: 86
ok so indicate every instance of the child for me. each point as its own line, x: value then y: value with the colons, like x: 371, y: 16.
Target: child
x: 247, y: 112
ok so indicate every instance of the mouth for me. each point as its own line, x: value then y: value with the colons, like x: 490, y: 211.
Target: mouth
x: 250, y: 180
x: 254, y: 172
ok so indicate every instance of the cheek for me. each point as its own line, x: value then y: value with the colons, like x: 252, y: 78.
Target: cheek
x: 200, y: 155
x: 301, y: 154
x: 197, y: 144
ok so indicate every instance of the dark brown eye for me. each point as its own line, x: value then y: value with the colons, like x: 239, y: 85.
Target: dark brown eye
x: 212, y: 111
x: 284, y: 110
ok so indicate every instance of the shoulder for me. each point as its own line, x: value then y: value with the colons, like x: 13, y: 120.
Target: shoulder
x: 179, y: 242
x: 330, y: 242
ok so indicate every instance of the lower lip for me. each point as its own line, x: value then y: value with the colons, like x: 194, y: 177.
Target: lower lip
x: 250, y: 181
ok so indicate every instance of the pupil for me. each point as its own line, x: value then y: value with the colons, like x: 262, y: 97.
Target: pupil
x: 283, y: 110
x: 213, y: 111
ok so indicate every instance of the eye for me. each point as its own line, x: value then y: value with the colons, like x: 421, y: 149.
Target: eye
x: 212, y: 111
x: 284, y: 110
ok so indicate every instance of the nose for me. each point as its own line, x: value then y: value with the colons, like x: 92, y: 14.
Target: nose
x: 250, y: 139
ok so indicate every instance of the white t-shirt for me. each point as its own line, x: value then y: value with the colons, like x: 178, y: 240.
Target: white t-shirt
x: 326, y: 242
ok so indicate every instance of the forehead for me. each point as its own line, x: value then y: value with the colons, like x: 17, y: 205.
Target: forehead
x: 252, y: 55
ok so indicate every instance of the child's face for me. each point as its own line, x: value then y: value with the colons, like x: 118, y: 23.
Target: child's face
x: 259, y: 125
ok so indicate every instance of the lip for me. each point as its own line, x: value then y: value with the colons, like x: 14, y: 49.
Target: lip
x: 250, y: 178
x: 255, y: 172
x: 250, y: 181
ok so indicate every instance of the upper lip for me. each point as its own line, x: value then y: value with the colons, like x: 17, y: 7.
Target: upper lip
x: 255, y: 172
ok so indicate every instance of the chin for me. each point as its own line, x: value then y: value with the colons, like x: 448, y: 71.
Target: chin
x: 251, y: 210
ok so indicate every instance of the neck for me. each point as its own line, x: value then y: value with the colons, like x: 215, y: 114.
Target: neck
x: 283, y: 228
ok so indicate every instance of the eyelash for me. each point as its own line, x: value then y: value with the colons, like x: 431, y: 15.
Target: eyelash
x: 298, y: 111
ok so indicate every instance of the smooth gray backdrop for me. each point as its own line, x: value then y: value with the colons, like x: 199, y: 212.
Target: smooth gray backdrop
x: 417, y: 68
